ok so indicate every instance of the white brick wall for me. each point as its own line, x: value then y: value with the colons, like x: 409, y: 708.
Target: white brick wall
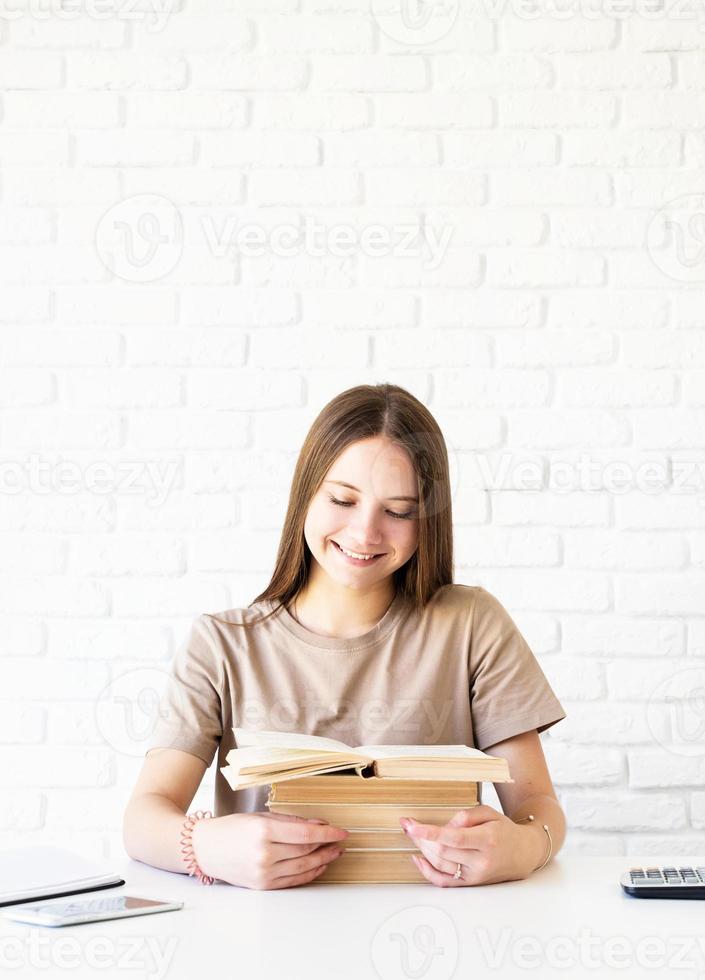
x: 157, y: 373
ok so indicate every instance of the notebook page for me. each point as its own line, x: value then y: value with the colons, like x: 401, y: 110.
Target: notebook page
x: 42, y: 866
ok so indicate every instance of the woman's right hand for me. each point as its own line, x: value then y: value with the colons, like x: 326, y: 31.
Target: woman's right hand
x: 265, y: 850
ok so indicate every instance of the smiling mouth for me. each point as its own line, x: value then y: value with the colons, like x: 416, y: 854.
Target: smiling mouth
x: 369, y: 559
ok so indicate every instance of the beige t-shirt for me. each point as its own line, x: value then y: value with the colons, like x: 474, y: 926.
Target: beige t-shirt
x: 460, y: 672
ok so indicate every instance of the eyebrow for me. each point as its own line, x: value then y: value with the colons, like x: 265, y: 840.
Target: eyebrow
x: 341, y: 483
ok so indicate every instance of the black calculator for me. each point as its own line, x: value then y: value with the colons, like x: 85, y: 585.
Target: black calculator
x: 685, y: 882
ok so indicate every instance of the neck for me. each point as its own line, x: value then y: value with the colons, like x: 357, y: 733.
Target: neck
x: 340, y: 612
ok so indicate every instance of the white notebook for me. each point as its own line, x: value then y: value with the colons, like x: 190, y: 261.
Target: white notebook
x: 41, y: 871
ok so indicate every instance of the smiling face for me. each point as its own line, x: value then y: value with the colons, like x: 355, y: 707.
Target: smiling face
x: 367, y: 520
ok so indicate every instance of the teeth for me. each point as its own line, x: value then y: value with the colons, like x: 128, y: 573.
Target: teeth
x: 352, y: 554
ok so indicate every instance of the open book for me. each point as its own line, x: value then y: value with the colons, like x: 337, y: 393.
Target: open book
x: 268, y: 757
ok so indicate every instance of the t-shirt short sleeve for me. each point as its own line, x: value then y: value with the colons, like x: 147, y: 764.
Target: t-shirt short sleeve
x: 509, y: 693
x: 190, y: 709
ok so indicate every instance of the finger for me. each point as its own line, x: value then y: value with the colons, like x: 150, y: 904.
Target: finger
x: 473, y: 816
x: 291, y: 867
x: 284, y: 852
x: 434, y: 876
x: 303, y: 832
x: 463, y: 837
x: 445, y: 858
x: 448, y: 864
x: 429, y: 851
x: 292, y: 880
x: 292, y: 816
x: 473, y: 866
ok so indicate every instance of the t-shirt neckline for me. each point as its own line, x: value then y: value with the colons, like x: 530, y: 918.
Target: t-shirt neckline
x: 372, y: 636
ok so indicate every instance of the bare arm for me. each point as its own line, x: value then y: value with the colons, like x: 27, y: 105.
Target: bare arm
x: 255, y: 850
x: 486, y: 846
x: 532, y: 791
x: 157, y: 808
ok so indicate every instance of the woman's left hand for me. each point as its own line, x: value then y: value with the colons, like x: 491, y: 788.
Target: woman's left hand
x: 488, y: 846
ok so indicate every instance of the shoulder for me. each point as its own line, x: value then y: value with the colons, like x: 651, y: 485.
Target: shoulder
x: 227, y: 626
x: 465, y: 598
x: 215, y: 639
x: 475, y: 606
x: 236, y: 617
x: 210, y: 632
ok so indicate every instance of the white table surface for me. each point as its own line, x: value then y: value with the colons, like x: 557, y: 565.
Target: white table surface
x: 569, y: 920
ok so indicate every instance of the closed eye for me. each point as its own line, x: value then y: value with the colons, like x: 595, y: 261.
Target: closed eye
x: 402, y: 517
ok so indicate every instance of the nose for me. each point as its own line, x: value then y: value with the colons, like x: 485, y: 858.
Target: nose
x: 365, y: 528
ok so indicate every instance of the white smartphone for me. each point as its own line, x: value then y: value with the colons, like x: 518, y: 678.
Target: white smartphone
x: 87, y: 910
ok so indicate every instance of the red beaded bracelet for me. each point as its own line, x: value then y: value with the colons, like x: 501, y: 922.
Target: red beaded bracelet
x: 187, y: 846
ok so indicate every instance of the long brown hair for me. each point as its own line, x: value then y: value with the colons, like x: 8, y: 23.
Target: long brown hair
x: 359, y: 413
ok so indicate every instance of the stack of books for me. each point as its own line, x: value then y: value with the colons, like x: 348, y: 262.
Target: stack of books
x: 365, y: 790
x: 377, y: 849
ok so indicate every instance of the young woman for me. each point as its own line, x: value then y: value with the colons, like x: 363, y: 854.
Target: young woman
x: 361, y: 635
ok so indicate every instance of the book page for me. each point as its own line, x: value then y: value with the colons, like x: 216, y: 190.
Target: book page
x: 289, y: 740
x: 244, y: 781
x: 255, y: 755
x: 286, y: 741
x: 426, y: 751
